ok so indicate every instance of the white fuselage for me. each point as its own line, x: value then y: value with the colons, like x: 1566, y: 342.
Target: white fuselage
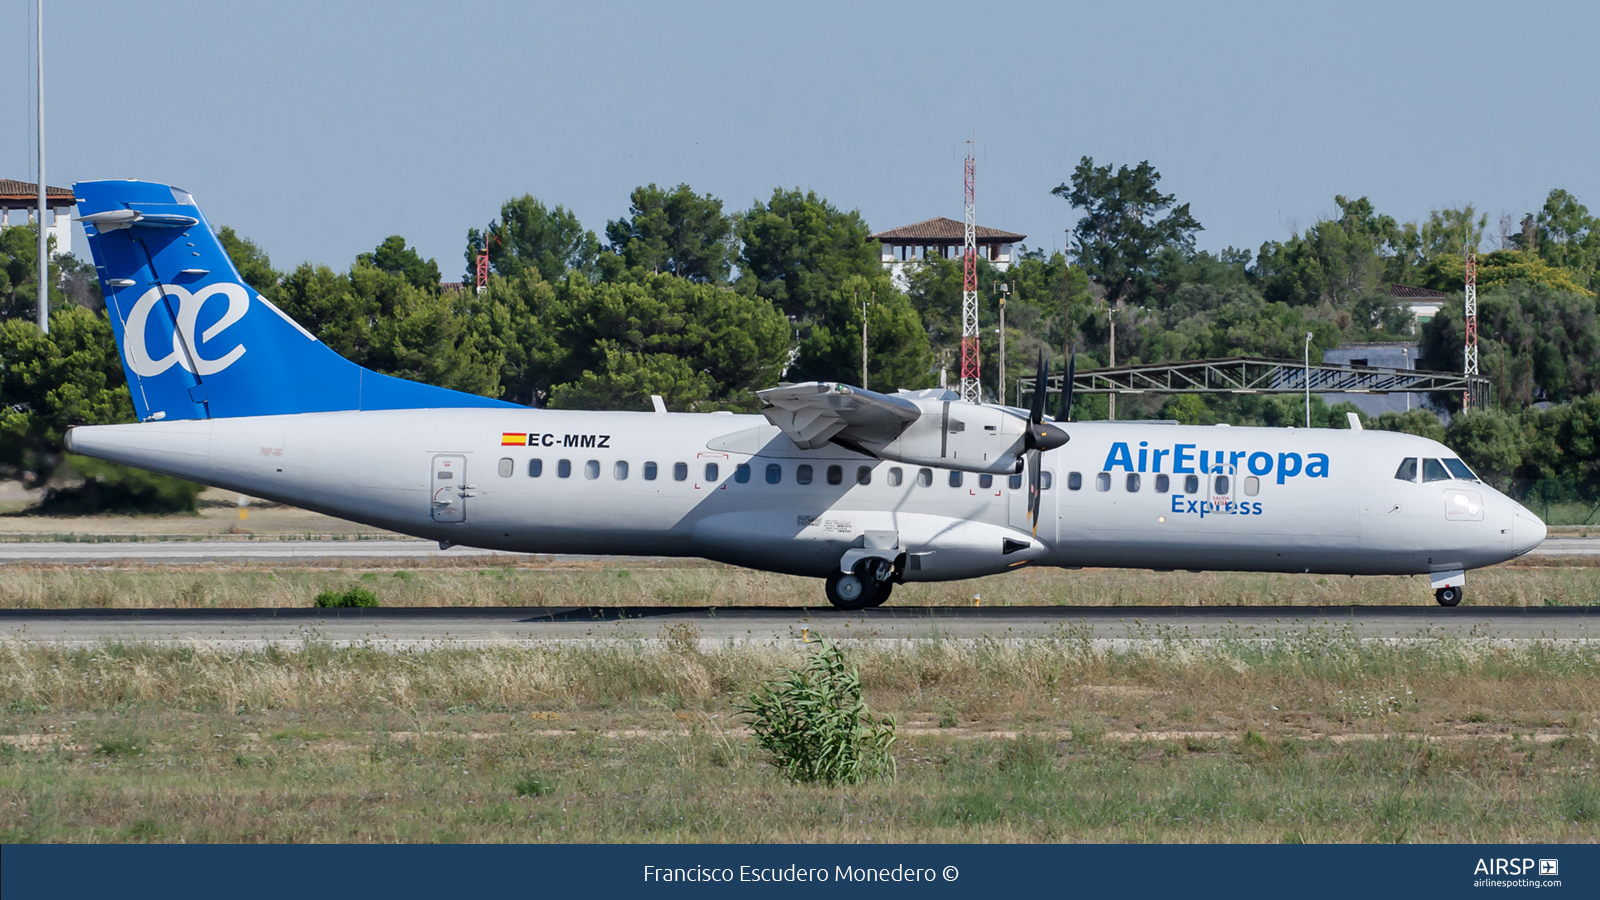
x: 462, y: 476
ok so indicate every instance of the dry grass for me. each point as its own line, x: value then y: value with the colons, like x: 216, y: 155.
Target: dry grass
x: 532, y: 582
x: 1317, y: 738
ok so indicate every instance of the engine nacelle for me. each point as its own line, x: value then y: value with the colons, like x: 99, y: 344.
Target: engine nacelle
x: 952, y: 434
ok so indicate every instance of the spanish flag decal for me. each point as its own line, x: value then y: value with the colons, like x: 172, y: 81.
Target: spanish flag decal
x: 514, y: 439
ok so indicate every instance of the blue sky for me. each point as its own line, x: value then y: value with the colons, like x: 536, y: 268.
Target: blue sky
x: 320, y: 128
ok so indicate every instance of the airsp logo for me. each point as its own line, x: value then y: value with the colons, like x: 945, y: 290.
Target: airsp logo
x: 188, y: 313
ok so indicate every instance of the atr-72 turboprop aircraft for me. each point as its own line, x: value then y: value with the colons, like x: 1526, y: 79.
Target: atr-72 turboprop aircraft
x: 862, y: 489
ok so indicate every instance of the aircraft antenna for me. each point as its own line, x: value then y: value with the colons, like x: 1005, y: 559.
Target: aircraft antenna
x: 969, y: 294
x: 1470, y: 354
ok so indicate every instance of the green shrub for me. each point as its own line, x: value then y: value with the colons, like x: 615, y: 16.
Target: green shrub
x: 356, y: 596
x: 108, y: 487
x: 814, y: 723
x: 532, y: 786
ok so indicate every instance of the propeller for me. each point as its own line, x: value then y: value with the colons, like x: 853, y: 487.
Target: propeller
x: 1040, y: 436
x: 1065, y: 413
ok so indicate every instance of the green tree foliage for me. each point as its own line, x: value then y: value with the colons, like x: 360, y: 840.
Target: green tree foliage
x: 1568, y: 237
x: 108, y: 487
x: 675, y: 231
x: 394, y: 257
x: 701, y: 347
x: 798, y: 249
x: 531, y: 235
x: 1534, y: 343
x: 254, y: 266
x: 1122, y: 230
x: 1496, y: 269
x: 72, y: 376
x: 897, y: 344
x: 1447, y: 233
x: 19, y: 273
x: 1334, y: 261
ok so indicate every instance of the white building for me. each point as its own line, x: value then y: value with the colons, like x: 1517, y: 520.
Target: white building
x: 941, y: 238
x: 1423, y: 303
x: 19, y: 205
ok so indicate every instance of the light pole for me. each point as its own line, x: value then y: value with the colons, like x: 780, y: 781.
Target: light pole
x: 1308, y: 379
x: 1111, y: 398
x: 44, y: 240
x: 864, y: 304
x: 1004, y: 290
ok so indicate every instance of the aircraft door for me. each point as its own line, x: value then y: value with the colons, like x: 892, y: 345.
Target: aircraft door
x: 450, y: 488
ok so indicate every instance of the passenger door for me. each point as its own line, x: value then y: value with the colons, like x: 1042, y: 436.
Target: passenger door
x: 450, y: 488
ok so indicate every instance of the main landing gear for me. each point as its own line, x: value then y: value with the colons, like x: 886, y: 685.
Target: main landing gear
x: 869, y: 584
x: 1448, y: 596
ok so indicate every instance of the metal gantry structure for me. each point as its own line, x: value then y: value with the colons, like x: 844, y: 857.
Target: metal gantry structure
x: 970, y: 389
x: 1258, y: 375
x: 1470, y: 352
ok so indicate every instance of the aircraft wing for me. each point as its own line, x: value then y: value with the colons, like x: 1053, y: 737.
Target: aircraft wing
x: 815, y: 412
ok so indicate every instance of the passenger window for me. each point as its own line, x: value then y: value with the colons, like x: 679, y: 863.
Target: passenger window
x: 1433, y: 470
x: 619, y: 470
x: 836, y: 475
x: 774, y: 473
x: 955, y: 479
x: 506, y: 468
x: 649, y: 471
x: 1132, y: 483
x: 1074, y: 481
x: 712, y: 472
x: 741, y: 473
x: 1163, y: 484
x: 1459, y: 469
x: 1046, y: 481
x: 680, y: 471
x: 925, y: 477
x: 985, y: 481
x: 564, y: 469
x: 863, y: 475
x: 1102, y: 482
x: 1252, y: 486
x: 896, y: 475
x: 1222, y: 485
x: 803, y: 474
x: 535, y: 468
x: 1407, y: 470
x: 591, y: 469
x: 1014, y: 482
x: 1191, y: 484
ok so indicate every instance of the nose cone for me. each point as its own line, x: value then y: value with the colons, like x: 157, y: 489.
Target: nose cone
x: 1044, y: 436
x: 1527, y: 531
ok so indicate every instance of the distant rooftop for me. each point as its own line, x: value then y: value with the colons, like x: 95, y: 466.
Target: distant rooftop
x: 943, y: 231
x: 1405, y: 292
x: 28, y: 192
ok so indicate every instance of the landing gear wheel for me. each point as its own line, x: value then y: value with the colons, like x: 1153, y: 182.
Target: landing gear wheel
x: 847, y: 591
x: 1448, y: 596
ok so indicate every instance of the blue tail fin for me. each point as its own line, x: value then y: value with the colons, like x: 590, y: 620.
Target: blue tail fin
x: 196, y: 341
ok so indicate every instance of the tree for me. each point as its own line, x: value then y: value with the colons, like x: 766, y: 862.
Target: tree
x: 1569, y: 237
x: 1334, y: 261
x: 798, y: 249
x: 614, y: 342
x: 897, y: 345
x: 676, y: 231
x: 19, y: 273
x: 530, y: 235
x: 394, y: 257
x: 1534, y: 343
x: 254, y: 266
x: 50, y: 382
x: 1119, y: 236
x: 1448, y: 232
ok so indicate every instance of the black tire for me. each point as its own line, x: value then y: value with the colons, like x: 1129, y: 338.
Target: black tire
x: 848, y: 592
x: 884, y: 590
x: 1448, y: 596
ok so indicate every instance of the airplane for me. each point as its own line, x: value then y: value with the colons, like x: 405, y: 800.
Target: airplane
x: 861, y: 489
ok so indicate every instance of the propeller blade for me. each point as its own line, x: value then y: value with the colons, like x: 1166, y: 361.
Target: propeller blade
x: 1036, y: 415
x: 1066, y: 389
x: 1034, y: 467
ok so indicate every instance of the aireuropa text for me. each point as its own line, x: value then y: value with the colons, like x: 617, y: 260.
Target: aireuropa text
x: 792, y: 873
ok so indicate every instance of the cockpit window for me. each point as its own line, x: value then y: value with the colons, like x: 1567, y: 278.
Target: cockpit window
x: 1407, y: 470
x: 1433, y: 470
x: 1459, y: 469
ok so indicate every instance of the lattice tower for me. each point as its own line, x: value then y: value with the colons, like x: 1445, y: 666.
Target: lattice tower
x: 969, y: 296
x: 1470, y: 354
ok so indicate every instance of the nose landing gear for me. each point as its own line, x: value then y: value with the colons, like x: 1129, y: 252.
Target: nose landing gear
x: 1448, y: 596
x: 867, y: 585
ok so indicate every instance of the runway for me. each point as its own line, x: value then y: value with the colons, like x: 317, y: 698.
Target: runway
x: 421, y: 629
x: 282, y: 550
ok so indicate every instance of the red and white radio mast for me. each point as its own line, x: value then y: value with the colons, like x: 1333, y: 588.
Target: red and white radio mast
x: 1470, y: 356
x: 969, y: 296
